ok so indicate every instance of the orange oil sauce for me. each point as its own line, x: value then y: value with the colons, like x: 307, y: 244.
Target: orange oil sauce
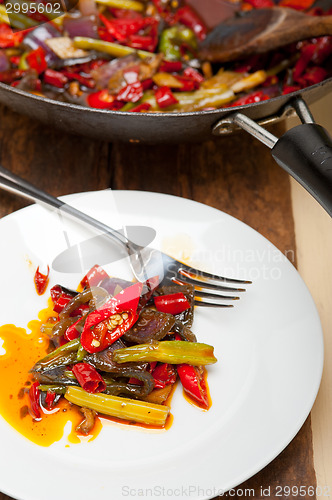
x: 22, y: 351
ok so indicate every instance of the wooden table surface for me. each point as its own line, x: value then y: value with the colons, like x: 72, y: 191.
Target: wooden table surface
x: 234, y: 174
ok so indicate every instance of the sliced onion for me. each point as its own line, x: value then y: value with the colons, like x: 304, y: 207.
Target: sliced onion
x: 81, y: 26
x: 88, y: 7
x: 36, y: 38
x: 4, y: 62
x: 104, y: 73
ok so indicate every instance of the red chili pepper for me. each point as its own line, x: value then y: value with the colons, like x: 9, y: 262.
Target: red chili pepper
x: 313, y: 75
x: 193, y: 384
x: 94, y: 277
x: 101, y: 100
x: 88, y: 378
x: 323, y: 49
x: 11, y: 75
x: 144, y: 106
x: 98, y: 333
x: 132, y: 92
x: 125, y: 13
x: 72, y: 333
x: 174, y: 303
x: 41, y: 280
x: 260, y: 4
x: 105, y: 35
x: 122, y: 29
x: 87, y: 82
x: 49, y: 400
x: 148, y: 83
x: 164, y: 374
x: 36, y: 60
x: 288, y: 89
x: 165, y: 97
x: 188, y: 84
x: 251, y: 98
x: 143, y: 42
x: 15, y: 60
x: 307, y: 54
x: 34, y: 398
x: 171, y: 66
x: 9, y: 38
x: 194, y: 75
x: 61, y: 303
x: 55, y: 78
x: 187, y: 16
x: 296, y: 4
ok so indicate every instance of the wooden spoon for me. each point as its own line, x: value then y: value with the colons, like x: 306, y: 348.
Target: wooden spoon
x: 259, y: 31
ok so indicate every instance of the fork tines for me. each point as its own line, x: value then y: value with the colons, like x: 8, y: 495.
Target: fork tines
x: 208, y: 287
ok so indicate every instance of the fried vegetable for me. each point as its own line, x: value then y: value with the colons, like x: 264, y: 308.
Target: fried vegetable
x: 174, y: 352
x: 113, y: 49
x: 127, y: 409
x: 151, y: 325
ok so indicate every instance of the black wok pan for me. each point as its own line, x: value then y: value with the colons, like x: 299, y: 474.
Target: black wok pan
x: 305, y: 151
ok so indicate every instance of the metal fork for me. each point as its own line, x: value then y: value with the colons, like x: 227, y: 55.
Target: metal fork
x: 210, y: 290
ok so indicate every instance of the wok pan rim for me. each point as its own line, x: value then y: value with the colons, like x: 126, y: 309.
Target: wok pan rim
x: 113, y: 113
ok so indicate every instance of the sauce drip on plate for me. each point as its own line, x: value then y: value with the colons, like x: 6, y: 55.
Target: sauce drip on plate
x: 22, y: 349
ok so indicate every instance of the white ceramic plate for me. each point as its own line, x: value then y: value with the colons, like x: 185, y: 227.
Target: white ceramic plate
x: 269, y: 347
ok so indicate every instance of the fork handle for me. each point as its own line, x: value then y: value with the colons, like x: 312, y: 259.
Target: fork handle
x: 15, y: 184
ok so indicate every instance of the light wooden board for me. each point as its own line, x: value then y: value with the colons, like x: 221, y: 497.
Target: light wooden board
x: 313, y: 231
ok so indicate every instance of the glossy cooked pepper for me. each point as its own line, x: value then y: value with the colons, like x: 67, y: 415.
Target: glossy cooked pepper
x: 41, y: 280
x: 88, y: 378
x: 187, y: 16
x: 8, y: 38
x: 165, y: 97
x: 36, y: 60
x: 109, y: 322
x: 171, y: 40
x: 163, y: 374
x: 102, y: 100
x: 94, y: 277
x: 34, y: 399
x: 132, y: 92
x: 175, y: 303
x: 193, y: 383
x: 55, y: 78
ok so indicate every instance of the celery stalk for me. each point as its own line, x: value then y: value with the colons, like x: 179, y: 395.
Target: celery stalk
x: 173, y: 351
x: 114, y: 49
x: 122, y: 4
x: 127, y: 409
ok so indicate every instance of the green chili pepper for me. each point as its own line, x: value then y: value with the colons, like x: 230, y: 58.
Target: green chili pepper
x: 64, y: 354
x: 57, y: 389
x: 171, y: 40
x: 81, y: 353
x: 173, y: 351
x: 17, y: 20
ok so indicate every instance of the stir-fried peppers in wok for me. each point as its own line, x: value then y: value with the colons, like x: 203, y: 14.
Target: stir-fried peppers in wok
x: 115, y: 351
x: 143, y: 56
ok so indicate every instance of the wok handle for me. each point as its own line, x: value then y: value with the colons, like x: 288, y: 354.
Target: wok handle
x: 305, y: 152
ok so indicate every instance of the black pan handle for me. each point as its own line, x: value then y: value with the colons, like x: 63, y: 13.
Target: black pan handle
x: 305, y: 151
